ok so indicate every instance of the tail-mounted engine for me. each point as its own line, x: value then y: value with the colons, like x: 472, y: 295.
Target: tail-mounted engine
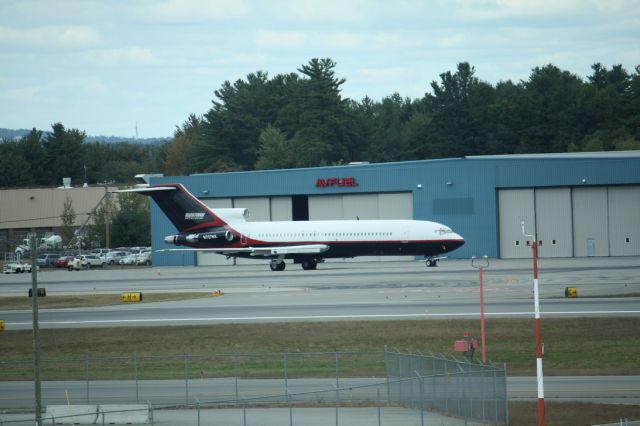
x: 204, y: 237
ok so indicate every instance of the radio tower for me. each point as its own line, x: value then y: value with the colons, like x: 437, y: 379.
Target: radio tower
x: 136, y: 137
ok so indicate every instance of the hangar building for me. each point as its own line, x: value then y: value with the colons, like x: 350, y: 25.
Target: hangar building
x: 577, y: 204
x: 39, y: 210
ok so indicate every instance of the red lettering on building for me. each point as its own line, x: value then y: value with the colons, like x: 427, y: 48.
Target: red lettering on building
x: 345, y: 181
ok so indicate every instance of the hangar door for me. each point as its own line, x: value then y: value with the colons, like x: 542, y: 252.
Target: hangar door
x: 393, y: 205
x: 572, y: 221
x: 547, y: 215
x: 624, y: 220
x: 515, y: 205
x: 590, y: 222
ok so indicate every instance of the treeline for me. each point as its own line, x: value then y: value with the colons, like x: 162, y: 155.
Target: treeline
x: 43, y: 160
x: 301, y: 119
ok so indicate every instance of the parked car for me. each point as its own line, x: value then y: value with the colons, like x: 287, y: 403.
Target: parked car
x: 84, y: 261
x: 62, y: 261
x: 113, y: 257
x: 101, y: 253
x: 144, y: 258
x: 47, y: 259
x: 130, y: 259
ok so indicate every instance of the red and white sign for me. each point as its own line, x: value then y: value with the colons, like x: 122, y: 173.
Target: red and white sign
x: 329, y: 182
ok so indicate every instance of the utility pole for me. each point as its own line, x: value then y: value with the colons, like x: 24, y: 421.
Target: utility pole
x: 536, y: 302
x: 107, y: 214
x: 36, y: 329
x: 475, y: 263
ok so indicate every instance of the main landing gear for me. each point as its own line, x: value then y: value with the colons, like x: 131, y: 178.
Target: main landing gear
x: 277, y: 265
x: 307, y: 264
x: 432, y: 262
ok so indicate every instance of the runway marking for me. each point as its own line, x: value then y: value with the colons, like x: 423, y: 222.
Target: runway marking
x: 319, y: 317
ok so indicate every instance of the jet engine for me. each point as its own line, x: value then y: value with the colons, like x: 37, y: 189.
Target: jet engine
x: 203, y: 237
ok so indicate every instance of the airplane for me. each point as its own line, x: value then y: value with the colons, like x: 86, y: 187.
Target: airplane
x: 227, y: 232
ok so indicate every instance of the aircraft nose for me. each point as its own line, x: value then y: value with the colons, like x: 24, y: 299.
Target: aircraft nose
x: 456, y: 241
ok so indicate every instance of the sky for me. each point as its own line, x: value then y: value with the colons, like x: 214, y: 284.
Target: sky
x: 109, y: 67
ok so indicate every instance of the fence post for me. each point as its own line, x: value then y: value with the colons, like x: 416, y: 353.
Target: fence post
x: 290, y: 410
x: 186, y: 378
x: 198, y: 408
x: 244, y: 413
x: 506, y: 399
x: 337, y: 388
x: 386, y: 370
x: 400, y: 376
x: 135, y: 374
x: 446, y: 391
x: 337, y: 404
x: 495, y: 394
x: 434, y: 374
x: 286, y: 383
x: 151, y: 412
x: 464, y: 394
x: 379, y: 418
x: 235, y: 373
x: 86, y: 371
x: 412, y: 398
x: 421, y: 397
x: 337, y: 370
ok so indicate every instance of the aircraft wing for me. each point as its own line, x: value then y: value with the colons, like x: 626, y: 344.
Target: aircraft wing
x: 263, y: 251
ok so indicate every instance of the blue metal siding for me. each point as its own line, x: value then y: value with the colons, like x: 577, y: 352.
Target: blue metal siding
x: 475, y: 178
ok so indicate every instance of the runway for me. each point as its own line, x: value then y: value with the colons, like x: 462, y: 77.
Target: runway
x: 338, y: 291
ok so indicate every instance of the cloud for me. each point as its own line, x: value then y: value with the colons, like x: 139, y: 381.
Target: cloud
x: 119, y: 56
x: 325, y: 11
x: 21, y: 94
x: 194, y: 10
x: 279, y: 39
x: 334, y: 40
x: 390, y: 72
x: 49, y: 37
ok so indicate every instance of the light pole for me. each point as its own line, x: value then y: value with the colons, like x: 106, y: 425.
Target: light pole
x: 536, y: 303
x: 480, y: 264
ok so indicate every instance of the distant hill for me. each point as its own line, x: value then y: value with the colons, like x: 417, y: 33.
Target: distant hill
x: 11, y: 134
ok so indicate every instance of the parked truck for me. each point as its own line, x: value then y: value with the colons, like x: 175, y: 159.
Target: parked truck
x: 16, y: 267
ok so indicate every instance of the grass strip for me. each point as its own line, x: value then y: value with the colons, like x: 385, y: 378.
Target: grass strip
x: 573, y: 346
x: 523, y: 413
x: 90, y: 300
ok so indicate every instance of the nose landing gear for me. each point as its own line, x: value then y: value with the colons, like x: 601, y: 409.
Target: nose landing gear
x: 432, y: 262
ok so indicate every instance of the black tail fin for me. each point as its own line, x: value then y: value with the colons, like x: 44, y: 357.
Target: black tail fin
x: 185, y: 211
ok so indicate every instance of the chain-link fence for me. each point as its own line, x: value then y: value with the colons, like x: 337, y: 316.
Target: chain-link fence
x: 453, y: 387
x: 414, y: 385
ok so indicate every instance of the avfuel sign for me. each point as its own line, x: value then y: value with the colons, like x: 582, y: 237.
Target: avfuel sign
x: 339, y: 182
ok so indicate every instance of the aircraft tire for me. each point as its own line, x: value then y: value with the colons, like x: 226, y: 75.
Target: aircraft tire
x: 430, y: 263
x: 309, y: 265
x: 277, y: 266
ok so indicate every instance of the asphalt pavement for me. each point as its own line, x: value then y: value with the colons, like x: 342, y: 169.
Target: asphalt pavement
x: 337, y: 292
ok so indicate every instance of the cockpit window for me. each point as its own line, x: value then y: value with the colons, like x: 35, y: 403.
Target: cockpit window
x: 443, y: 231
